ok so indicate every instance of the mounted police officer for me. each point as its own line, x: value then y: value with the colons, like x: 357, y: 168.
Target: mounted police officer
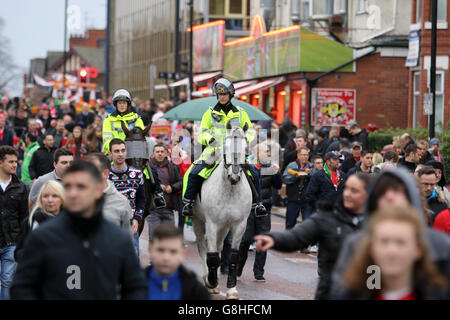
x: 112, y: 127
x: 212, y: 135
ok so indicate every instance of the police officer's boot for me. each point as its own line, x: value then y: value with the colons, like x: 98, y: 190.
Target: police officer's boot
x: 188, y: 207
x: 259, y: 210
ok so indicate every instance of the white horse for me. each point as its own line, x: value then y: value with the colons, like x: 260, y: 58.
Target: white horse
x: 224, y: 204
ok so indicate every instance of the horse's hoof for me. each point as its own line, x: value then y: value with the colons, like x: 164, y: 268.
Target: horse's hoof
x: 214, y: 290
x: 232, y: 296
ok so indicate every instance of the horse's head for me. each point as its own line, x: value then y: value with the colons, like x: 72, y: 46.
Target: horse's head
x: 136, y: 144
x: 234, y: 151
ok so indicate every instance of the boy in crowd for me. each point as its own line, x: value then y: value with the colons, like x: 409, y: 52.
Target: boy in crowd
x: 167, y: 278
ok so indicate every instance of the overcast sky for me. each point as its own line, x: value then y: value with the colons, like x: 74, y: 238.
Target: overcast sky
x: 34, y: 27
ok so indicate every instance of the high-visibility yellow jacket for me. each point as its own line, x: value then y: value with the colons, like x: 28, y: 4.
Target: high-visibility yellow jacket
x: 211, y: 128
x: 112, y: 127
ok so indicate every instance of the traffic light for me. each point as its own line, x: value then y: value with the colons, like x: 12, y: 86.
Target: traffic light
x: 185, y: 67
x: 83, y: 75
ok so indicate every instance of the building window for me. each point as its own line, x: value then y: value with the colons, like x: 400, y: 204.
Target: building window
x: 342, y: 6
x: 236, y: 13
x: 216, y: 7
x: 441, y: 10
x: 418, y: 11
x: 416, y: 93
x: 323, y: 7
x: 439, y: 116
x: 361, y: 5
x: 305, y: 8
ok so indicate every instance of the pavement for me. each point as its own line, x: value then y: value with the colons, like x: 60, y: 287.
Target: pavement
x: 289, y: 276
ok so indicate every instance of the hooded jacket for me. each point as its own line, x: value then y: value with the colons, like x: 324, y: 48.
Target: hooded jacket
x: 439, y: 243
x: 328, y: 227
x: 117, y: 208
x: 95, y: 249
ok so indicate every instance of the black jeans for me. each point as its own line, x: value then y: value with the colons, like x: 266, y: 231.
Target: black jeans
x: 255, y: 226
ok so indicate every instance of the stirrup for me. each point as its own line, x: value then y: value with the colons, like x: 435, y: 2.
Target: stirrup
x: 188, y: 208
x: 259, y: 210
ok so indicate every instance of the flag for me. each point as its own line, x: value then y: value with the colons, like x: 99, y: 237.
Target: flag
x: 42, y: 82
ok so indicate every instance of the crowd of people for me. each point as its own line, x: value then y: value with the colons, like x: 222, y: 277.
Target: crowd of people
x: 358, y: 208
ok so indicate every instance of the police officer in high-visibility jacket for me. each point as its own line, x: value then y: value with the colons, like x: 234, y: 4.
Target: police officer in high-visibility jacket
x: 212, y: 133
x: 112, y: 127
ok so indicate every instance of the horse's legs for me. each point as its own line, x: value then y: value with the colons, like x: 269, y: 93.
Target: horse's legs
x: 212, y: 255
x: 238, y: 231
x: 199, y: 230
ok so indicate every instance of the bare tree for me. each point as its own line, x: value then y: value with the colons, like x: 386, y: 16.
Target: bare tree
x: 8, y: 70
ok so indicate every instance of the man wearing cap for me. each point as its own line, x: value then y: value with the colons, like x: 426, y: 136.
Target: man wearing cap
x: 350, y: 161
x: 434, y: 150
x: 328, y: 183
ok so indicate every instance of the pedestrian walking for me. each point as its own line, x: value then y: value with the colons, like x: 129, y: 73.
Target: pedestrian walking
x: 171, y: 183
x: 116, y: 208
x: 327, y: 184
x: 61, y: 161
x: 49, y: 204
x: 328, y: 227
x: 30, y: 146
x: 42, y: 160
x: 102, y: 263
x: 296, y: 176
x: 392, y: 188
x: 13, y: 210
x: 270, y: 178
x: 396, y: 243
x: 128, y: 181
x: 167, y: 278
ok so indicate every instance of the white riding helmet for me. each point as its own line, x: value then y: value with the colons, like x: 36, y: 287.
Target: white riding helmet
x: 121, y: 95
x: 223, y: 85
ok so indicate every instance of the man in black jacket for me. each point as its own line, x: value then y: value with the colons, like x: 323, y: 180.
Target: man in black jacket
x: 411, y: 158
x: 270, y: 178
x: 359, y: 135
x: 428, y: 179
x: 353, y: 158
x: 296, y: 176
x: 13, y: 210
x: 171, y: 183
x: 42, y: 161
x: 327, y: 184
x: 79, y: 254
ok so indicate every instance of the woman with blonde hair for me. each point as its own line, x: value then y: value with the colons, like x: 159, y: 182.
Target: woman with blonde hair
x: 49, y: 204
x: 395, y: 249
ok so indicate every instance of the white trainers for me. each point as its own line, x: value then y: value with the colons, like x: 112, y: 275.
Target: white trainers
x: 313, y: 249
x: 252, y: 247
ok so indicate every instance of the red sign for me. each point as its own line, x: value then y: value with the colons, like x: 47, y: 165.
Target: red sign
x: 333, y: 106
x: 165, y: 130
x: 93, y: 72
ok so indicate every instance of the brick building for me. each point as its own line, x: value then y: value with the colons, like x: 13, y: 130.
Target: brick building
x: 418, y: 74
x: 381, y: 84
x: 92, y: 38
